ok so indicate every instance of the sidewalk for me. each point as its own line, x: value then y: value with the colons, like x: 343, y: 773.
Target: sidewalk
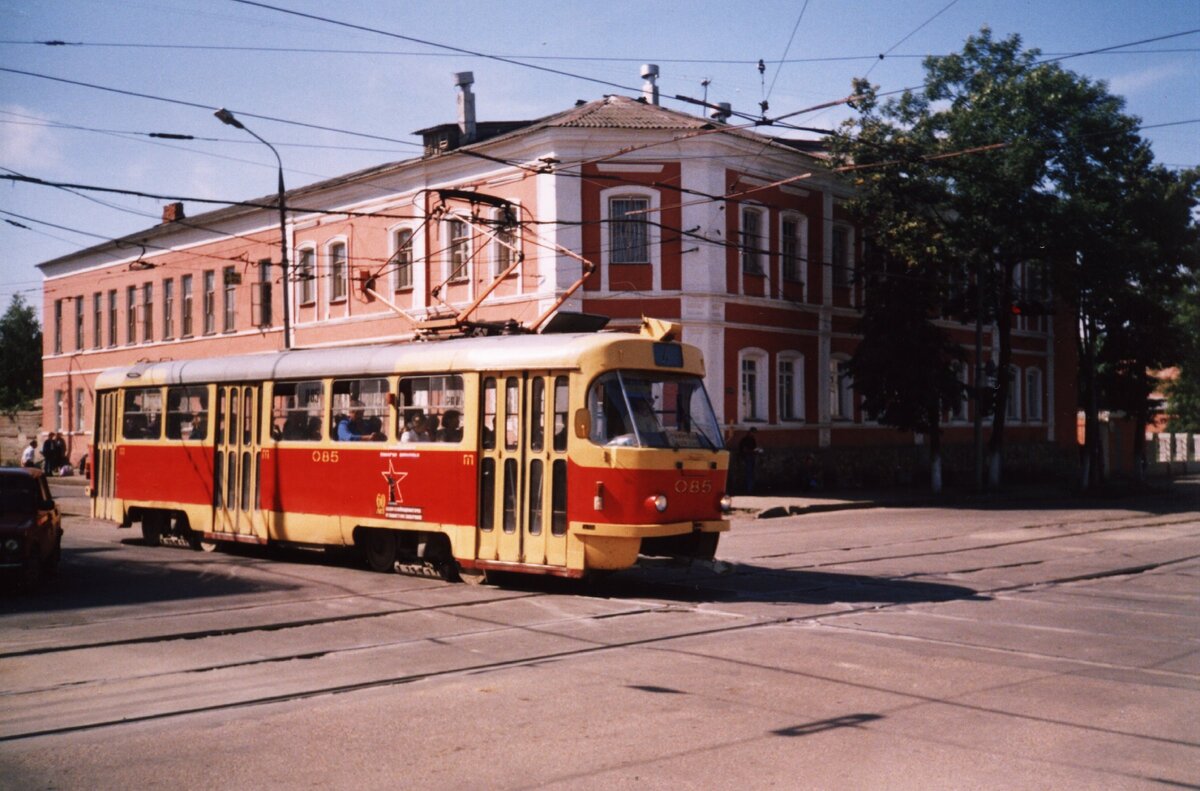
x: 773, y: 505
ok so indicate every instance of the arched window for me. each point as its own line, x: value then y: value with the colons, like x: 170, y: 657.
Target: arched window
x: 1033, y: 394
x: 339, y: 274
x: 402, y: 259
x: 789, y: 383
x: 752, y: 239
x: 841, y: 393
x: 793, y: 246
x: 306, y: 276
x: 1012, y: 410
x: 631, y: 235
x: 752, y: 389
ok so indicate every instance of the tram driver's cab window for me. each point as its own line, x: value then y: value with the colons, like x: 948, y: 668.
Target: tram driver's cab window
x: 143, y: 413
x: 431, y: 409
x: 297, y: 409
x: 360, y: 410
x: 650, y: 409
x: 187, y: 412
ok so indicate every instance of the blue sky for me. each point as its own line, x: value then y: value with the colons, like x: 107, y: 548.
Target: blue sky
x: 222, y: 53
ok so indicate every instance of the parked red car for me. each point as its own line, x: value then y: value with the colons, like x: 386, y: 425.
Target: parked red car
x: 30, y: 525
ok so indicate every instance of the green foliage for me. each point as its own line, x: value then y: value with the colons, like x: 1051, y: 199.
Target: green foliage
x: 1183, y: 394
x: 20, y: 356
x: 999, y: 163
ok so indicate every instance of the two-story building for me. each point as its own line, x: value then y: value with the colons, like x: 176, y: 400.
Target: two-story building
x: 742, y: 237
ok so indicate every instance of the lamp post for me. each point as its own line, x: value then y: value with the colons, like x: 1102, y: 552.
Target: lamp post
x: 226, y: 117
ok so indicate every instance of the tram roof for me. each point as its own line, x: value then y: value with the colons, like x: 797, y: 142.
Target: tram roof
x: 494, y: 353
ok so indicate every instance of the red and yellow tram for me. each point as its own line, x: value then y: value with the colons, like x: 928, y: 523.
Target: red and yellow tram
x: 551, y: 453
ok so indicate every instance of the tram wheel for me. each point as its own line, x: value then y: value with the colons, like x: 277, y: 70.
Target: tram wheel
x: 154, y: 525
x: 473, y: 576
x: 379, y: 549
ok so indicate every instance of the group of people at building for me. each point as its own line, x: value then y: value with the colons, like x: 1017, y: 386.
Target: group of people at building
x: 54, y: 454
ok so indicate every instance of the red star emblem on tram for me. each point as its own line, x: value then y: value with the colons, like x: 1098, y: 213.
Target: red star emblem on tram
x: 393, y: 479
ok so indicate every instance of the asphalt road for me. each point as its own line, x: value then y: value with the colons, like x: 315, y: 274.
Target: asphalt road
x: 1013, y: 643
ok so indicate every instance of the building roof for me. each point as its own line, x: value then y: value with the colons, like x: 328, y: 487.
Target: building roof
x: 610, y: 112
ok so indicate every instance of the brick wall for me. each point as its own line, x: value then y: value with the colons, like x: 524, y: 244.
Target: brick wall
x: 15, y: 432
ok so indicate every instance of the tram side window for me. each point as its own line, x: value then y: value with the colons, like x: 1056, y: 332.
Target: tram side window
x: 143, y: 413
x: 360, y: 407
x: 296, y: 411
x: 431, y: 409
x: 187, y: 412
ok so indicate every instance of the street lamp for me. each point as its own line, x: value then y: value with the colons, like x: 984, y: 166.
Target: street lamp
x: 226, y: 117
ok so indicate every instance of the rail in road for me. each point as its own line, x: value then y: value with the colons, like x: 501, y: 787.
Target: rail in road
x: 132, y: 634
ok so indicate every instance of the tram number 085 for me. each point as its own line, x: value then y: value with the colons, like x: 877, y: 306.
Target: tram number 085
x: 325, y: 456
x: 695, y: 486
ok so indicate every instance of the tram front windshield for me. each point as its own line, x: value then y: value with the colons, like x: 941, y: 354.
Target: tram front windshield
x: 652, y: 409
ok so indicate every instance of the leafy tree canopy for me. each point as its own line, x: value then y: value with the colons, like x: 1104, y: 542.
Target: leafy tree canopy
x: 20, y: 356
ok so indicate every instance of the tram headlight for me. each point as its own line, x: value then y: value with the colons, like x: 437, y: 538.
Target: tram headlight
x: 726, y: 504
x: 657, y: 501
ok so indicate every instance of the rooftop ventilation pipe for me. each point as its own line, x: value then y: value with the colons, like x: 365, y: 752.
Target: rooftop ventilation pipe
x: 723, y: 111
x: 649, y: 87
x: 466, y: 106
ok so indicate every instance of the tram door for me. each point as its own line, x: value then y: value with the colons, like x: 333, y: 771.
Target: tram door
x: 105, y: 442
x: 523, y: 468
x: 237, y: 462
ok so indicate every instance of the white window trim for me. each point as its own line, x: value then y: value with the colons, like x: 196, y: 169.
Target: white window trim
x: 964, y: 403
x: 1034, y: 413
x: 393, y: 248
x: 467, y: 275
x: 1015, y: 383
x: 802, y: 251
x: 496, y: 247
x: 653, y: 232
x: 851, y: 262
x: 797, y: 361
x: 841, y: 392
x: 299, y: 284
x: 764, y: 237
x: 331, y: 301
x: 762, y: 381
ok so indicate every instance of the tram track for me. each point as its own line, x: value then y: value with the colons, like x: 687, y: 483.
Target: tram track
x: 696, y: 594
x: 976, y: 547
x: 744, y: 623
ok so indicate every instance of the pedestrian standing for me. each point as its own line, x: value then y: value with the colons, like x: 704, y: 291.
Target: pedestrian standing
x: 48, y: 448
x: 28, y: 455
x: 60, y: 452
x: 747, y: 450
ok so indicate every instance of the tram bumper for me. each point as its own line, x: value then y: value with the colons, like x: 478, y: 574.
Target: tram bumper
x: 617, y: 546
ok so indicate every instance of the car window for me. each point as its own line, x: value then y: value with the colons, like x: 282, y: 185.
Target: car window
x: 18, y: 494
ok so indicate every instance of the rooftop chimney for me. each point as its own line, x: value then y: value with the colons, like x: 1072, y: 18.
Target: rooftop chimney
x: 466, y: 107
x: 172, y: 212
x: 725, y: 109
x: 649, y: 87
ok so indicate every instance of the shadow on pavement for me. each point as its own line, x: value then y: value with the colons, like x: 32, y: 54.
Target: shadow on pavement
x: 745, y: 583
x: 87, y: 580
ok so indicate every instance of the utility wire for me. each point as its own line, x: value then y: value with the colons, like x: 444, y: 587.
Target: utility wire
x: 435, y: 44
x: 521, y: 56
x: 786, y: 50
x: 916, y: 30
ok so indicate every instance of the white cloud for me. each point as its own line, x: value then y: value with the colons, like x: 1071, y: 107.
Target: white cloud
x: 1136, y: 81
x: 26, y: 144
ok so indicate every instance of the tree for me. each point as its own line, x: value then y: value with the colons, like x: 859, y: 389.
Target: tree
x: 20, y: 356
x: 1183, y: 394
x: 906, y: 367
x: 987, y: 154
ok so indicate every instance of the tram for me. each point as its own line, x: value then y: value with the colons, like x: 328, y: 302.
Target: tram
x: 551, y: 453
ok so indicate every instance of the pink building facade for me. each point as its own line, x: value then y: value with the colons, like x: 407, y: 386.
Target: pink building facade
x: 742, y: 238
